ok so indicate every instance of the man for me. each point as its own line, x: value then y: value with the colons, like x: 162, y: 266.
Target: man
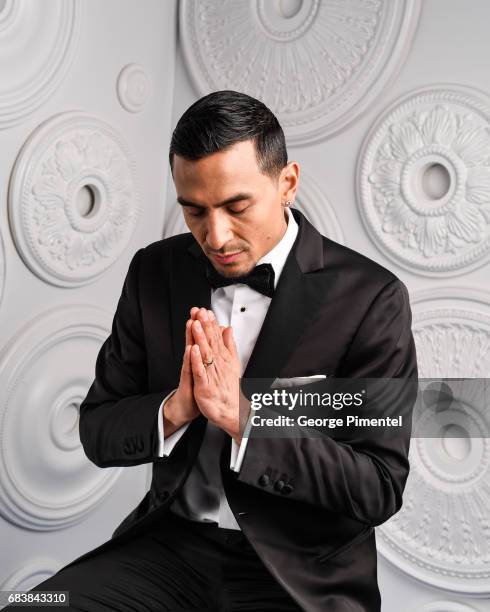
x: 254, y: 291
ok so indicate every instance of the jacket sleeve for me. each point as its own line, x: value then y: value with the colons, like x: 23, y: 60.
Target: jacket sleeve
x: 362, y: 478
x: 118, y: 417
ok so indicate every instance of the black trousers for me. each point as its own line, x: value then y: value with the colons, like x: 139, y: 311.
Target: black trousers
x: 182, y: 565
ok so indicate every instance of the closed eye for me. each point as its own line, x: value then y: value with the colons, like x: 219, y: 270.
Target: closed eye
x: 194, y: 212
x: 198, y: 212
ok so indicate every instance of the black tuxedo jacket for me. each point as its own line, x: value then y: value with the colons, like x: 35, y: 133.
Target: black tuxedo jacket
x: 334, y: 312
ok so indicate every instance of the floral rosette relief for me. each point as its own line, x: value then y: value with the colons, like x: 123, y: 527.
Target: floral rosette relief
x: 38, y: 42
x: 73, y: 201
x: 348, y: 52
x: 441, y: 535
x: 424, y: 181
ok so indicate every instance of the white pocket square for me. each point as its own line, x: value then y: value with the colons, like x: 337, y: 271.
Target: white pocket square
x: 297, y: 381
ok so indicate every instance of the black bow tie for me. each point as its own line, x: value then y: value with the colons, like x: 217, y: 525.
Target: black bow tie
x: 261, y: 278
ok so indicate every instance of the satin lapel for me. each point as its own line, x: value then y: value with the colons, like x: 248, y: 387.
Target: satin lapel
x: 295, y: 304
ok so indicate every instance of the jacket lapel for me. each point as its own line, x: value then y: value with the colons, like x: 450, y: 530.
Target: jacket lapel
x: 295, y: 304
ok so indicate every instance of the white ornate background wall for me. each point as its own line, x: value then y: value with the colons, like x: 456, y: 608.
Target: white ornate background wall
x: 86, y: 95
x: 385, y: 105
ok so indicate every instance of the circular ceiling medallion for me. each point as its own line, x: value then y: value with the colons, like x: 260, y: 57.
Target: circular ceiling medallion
x: 133, y: 88
x: 441, y: 535
x: 32, y: 573
x: 445, y: 606
x: 2, y: 267
x: 424, y: 181
x: 46, y: 480
x: 38, y: 42
x: 317, y: 64
x: 73, y: 201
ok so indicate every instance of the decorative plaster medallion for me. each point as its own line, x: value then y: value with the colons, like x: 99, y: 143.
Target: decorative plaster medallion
x: 2, y: 267
x: 444, y: 606
x: 133, y: 88
x: 424, y: 181
x: 441, y: 535
x: 31, y: 574
x: 73, y: 200
x: 38, y: 41
x: 310, y: 200
x: 317, y: 64
x: 46, y: 480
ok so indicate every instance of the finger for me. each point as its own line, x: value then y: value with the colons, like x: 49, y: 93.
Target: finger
x: 229, y: 341
x: 201, y: 339
x: 215, y: 327
x: 212, y: 332
x: 188, y: 332
x: 198, y: 369
x: 209, y: 334
x: 193, y: 312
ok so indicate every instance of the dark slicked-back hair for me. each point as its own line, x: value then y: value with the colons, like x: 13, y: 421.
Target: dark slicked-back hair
x: 221, y: 119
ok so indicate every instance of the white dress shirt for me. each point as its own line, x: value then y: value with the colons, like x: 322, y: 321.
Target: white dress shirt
x: 202, y: 497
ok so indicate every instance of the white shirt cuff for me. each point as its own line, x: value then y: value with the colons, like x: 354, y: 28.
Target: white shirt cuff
x: 165, y: 445
x: 238, y: 451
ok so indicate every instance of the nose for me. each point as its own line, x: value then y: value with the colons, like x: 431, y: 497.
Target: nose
x: 218, y: 231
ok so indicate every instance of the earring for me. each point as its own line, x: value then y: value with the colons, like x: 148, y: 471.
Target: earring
x: 289, y: 202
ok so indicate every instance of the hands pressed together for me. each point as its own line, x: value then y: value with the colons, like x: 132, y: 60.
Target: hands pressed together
x: 212, y: 389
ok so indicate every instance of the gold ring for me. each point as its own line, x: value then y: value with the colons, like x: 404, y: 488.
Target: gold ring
x: 207, y: 363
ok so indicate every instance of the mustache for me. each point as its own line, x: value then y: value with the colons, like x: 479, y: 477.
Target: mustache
x: 227, y: 252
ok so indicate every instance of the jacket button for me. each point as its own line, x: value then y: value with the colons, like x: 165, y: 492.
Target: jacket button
x: 279, y: 485
x: 264, y: 480
x: 286, y: 489
x: 128, y: 447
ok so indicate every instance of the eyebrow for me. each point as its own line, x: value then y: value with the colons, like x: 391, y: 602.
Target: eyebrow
x: 236, y: 198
